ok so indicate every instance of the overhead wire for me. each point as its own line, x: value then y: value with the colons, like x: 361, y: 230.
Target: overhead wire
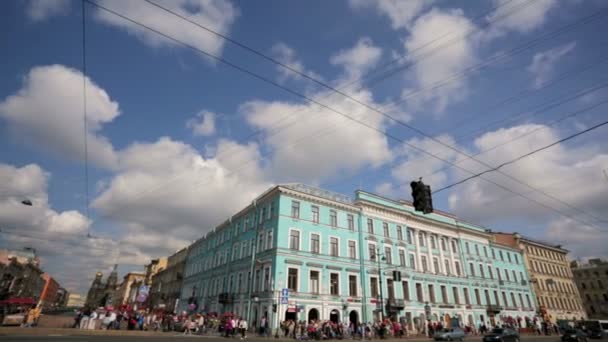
x: 84, y: 112
x: 564, y: 29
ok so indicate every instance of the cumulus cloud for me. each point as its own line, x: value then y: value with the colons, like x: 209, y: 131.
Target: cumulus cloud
x: 46, y: 116
x: 401, y: 13
x: 46, y: 229
x: 544, y: 63
x: 430, y: 69
x: 203, y: 124
x: 39, y: 10
x: 218, y: 15
x: 288, y: 56
x: 167, y: 186
x: 359, y: 59
x: 583, y: 241
x: 524, y: 18
x: 557, y: 165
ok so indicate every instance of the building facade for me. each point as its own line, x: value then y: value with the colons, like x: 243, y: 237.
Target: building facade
x: 75, y: 300
x: 167, y: 284
x: 592, y: 282
x: 155, y: 266
x: 103, y: 294
x: 128, y: 289
x: 334, y: 258
x: 552, y: 280
x: 48, y: 295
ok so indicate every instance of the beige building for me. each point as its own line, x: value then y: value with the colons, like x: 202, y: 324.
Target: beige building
x: 592, y: 282
x: 128, y: 288
x: 166, y: 284
x: 155, y: 266
x: 557, y: 295
x: 75, y: 300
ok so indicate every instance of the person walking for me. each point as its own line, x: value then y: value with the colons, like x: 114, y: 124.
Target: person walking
x: 243, y: 328
x: 92, y: 320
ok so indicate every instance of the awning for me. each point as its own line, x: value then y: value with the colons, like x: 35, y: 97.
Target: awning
x: 18, y: 301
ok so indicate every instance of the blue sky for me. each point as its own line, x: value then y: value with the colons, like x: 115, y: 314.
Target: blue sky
x: 171, y: 143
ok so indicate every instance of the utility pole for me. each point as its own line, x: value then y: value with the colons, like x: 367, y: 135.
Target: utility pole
x: 380, y: 281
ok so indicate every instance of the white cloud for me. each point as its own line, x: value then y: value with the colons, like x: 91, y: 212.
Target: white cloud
x: 165, y: 193
x: 46, y: 116
x: 38, y: 10
x: 582, y: 241
x: 430, y: 69
x: 218, y: 15
x: 517, y: 16
x: 359, y: 59
x: 287, y: 55
x: 550, y: 170
x: 544, y: 63
x: 202, y: 124
x: 401, y: 13
x: 47, y: 230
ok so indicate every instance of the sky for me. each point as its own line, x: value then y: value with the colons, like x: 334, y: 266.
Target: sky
x: 182, y: 132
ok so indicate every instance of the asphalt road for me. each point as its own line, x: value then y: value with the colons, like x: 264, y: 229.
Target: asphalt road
x: 207, y: 338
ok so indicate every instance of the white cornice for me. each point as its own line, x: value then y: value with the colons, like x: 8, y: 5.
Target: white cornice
x: 319, y: 200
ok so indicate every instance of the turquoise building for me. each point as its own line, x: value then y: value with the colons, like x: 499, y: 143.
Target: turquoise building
x: 298, y: 252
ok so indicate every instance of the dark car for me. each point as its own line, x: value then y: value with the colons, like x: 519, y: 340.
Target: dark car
x: 501, y: 335
x: 574, y: 335
x: 597, y: 334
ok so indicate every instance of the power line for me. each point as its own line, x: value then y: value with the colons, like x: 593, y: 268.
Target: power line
x: 562, y: 30
x: 512, y: 161
x: 84, y: 113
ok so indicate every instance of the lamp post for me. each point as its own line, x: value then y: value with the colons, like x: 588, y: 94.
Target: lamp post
x: 377, y: 257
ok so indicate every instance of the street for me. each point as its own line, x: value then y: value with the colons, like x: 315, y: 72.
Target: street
x: 170, y: 337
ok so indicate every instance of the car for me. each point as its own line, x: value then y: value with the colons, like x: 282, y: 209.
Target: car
x: 452, y: 334
x: 574, y: 335
x: 596, y: 334
x: 501, y: 335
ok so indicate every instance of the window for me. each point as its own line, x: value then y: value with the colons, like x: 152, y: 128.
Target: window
x: 315, y: 214
x: 391, y: 288
x: 457, y: 268
x: 521, y: 276
x: 402, y: 257
x: 409, y: 236
x: 333, y: 246
x: 444, y: 294
x: 352, y: 285
x: 513, y: 299
x: 261, y: 241
x: 431, y: 293
x: 292, y: 279
x: 467, y: 299
x: 466, y: 247
x: 262, y: 215
x: 455, y: 295
x: 373, y: 284
x: 481, y: 272
x: 269, y: 240
x: 507, y: 275
x: 493, y: 254
x: 350, y: 221
x: 421, y: 239
x: 333, y: 218
x: 424, y: 264
x: 502, y: 258
x: 485, y: 251
x: 314, y: 281
x: 516, y: 258
x: 487, y: 295
x: 446, y: 263
x: 388, y: 254
x: 370, y: 226
x: 443, y: 245
x: 436, y: 265
x: 496, y: 299
x: 399, y: 233
x: 294, y: 239
x: 271, y: 211
x: 454, y: 248
x: 413, y: 261
x: 514, y: 276
x: 521, y: 300
x: 419, y: 294
x: 472, y: 268
x: 334, y: 284
x: 406, y: 290
x: 477, y: 297
x: 490, y: 274
x: 433, y: 244
x: 498, y: 273
x: 371, y: 249
x: 477, y: 249
x: 509, y: 257
x: 352, y: 250
x: 385, y: 229
x: 295, y: 210
x: 315, y: 243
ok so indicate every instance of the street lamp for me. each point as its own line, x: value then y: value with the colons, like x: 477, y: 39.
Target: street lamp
x: 376, y: 256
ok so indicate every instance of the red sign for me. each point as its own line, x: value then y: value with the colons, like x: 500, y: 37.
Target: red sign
x: 291, y: 310
x: 373, y: 301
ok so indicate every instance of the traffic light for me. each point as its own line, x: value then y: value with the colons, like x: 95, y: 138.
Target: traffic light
x: 421, y: 194
x: 396, y: 275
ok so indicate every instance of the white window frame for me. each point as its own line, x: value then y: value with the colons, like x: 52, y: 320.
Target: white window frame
x: 348, y: 248
x: 329, y: 245
x: 348, y: 275
x: 369, y: 257
x: 310, y: 242
x: 320, y: 280
x: 299, y: 240
x: 339, y: 284
x: 409, y: 257
x: 287, y: 267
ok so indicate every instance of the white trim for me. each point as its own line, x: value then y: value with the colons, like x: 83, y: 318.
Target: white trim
x: 357, y: 282
x: 416, y: 266
x: 287, y: 267
x: 375, y: 248
x: 320, y: 280
x: 339, y: 283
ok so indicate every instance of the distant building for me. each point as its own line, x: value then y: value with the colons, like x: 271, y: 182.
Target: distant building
x: 555, y: 290
x: 127, y: 291
x: 155, y: 266
x: 48, y: 296
x: 166, y: 284
x: 592, y: 281
x: 75, y: 300
x: 61, y: 300
x: 103, y: 294
x: 20, y: 276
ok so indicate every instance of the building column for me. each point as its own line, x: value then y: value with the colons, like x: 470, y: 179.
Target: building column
x: 452, y: 259
x: 416, y: 236
x: 430, y: 252
x: 441, y: 263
